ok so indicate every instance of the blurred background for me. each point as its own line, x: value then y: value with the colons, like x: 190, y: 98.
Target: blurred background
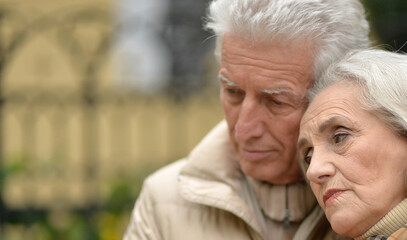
x: 97, y: 94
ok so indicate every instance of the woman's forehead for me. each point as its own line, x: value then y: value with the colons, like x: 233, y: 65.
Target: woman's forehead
x: 335, y: 102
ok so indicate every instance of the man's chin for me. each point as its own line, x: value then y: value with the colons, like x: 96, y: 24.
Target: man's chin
x: 268, y: 173
x: 258, y: 172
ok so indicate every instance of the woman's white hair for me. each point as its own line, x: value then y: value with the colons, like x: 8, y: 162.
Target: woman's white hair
x: 332, y: 26
x: 382, y: 78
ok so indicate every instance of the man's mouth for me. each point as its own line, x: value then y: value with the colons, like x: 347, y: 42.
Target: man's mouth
x: 255, y: 154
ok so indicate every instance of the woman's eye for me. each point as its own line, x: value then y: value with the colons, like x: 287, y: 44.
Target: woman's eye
x: 307, y: 160
x: 338, y: 138
x: 308, y: 156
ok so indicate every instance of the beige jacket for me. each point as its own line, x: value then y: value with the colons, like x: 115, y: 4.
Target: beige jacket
x: 206, y: 196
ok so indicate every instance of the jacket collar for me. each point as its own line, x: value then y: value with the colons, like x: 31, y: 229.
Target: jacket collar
x: 212, y: 176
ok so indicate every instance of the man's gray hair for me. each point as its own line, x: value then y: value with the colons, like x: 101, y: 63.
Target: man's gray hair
x: 382, y: 79
x: 332, y: 26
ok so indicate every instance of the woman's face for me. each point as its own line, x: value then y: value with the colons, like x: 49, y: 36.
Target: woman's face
x: 355, y: 164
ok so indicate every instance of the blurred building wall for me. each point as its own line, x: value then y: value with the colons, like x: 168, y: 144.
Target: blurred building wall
x: 67, y: 131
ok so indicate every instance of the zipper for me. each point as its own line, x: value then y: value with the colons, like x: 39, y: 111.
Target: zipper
x: 287, y: 210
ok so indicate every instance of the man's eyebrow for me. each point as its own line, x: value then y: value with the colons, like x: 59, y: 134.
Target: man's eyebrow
x: 227, y: 81
x: 279, y: 91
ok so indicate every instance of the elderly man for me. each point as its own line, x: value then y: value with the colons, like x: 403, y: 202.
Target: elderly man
x: 243, y: 180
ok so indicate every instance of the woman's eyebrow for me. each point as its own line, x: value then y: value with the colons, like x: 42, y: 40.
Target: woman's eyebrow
x: 321, y: 128
x: 302, y: 142
x: 329, y: 121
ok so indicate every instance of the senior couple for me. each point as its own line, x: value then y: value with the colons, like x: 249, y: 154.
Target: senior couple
x: 314, y: 145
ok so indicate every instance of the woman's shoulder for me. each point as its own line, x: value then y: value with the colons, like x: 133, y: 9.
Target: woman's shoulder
x: 400, y: 234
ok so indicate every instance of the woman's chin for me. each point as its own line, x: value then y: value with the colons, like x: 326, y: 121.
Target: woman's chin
x: 346, y: 229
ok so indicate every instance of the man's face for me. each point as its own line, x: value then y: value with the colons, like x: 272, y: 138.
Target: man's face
x: 263, y: 90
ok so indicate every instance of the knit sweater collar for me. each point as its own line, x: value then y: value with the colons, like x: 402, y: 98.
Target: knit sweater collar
x: 277, y: 201
x: 391, y: 222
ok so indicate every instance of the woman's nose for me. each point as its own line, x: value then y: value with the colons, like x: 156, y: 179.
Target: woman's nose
x: 321, y: 167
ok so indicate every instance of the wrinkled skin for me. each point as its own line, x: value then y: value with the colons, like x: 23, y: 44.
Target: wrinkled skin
x: 263, y: 88
x: 356, y: 164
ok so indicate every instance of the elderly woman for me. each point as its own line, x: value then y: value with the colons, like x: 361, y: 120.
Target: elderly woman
x: 353, y: 145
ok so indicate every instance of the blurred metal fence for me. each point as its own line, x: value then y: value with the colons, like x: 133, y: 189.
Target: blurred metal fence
x: 66, y: 133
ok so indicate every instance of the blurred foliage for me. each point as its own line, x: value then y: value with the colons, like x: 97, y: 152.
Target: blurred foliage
x: 387, y: 20
x: 378, y: 8
x: 17, y: 165
x: 105, y: 221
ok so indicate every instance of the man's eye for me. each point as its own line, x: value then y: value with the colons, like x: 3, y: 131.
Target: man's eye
x: 277, y: 102
x: 231, y: 90
x: 233, y: 95
x: 274, y: 101
x: 278, y: 105
x: 234, y: 92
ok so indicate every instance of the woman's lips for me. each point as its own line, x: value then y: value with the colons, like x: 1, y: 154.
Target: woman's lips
x: 330, y: 196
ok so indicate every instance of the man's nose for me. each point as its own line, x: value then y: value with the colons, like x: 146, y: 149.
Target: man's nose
x: 321, y: 167
x: 250, y: 122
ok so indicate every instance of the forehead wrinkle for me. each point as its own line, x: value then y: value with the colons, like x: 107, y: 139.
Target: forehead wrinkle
x: 235, y: 58
x: 297, y: 74
x: 340, y: 107
x: 284, y: 68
